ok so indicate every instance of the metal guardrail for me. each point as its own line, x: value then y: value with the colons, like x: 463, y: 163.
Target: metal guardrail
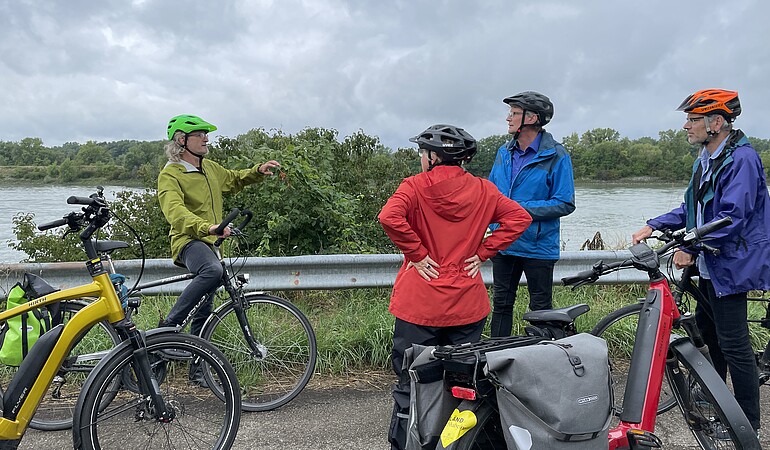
x: 312, y: 272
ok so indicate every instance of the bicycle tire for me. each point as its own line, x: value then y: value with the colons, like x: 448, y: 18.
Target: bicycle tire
x: 200, y: 419
x: 58, y: 404
x: 486, y: 435
x: 618, y: 328
x: 289, y: 339
x: 710, y: 410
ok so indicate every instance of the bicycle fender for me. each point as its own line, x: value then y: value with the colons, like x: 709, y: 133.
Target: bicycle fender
x: 88, y: 385
x: 685, y: 350
x: 462, y: 420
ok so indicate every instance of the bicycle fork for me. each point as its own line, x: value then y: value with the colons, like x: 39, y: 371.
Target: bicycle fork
x: 258, y: 350
x: 146, y: 380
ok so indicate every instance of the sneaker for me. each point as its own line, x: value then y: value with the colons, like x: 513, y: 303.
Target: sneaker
x: 173, y: 353
x: 720, y: 432
x: 196, y: 376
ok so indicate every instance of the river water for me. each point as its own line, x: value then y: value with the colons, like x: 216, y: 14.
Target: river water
x: 615, y: 211
x: 47, y: 202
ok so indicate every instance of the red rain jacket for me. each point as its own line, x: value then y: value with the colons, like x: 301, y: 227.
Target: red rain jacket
x: 444, y: 213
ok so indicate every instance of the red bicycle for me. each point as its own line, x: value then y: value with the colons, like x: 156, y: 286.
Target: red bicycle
x: 709, y: 409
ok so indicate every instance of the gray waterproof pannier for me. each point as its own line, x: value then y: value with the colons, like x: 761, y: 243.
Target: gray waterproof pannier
x: 430, y: 403
x: 555, y: 394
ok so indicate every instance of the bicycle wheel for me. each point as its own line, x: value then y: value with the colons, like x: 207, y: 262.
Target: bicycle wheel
x: 618, y: 328
x: 704, y: 409
x: 58, y: 404
x: 288, y: 343
x: 486, y: 435
x: 199, y: 419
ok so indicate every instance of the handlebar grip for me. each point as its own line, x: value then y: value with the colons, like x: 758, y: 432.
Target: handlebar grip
x: 75, y: 200
x: 55, y: 224
x: 699, y: 233
x: 230, y: 217
x: 247, y: 218
x: 581, y: 276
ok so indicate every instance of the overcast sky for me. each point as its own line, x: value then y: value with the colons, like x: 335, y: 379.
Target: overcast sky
x: 80, y: 70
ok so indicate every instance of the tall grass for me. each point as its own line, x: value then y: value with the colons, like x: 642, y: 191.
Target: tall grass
x: 355, y: 330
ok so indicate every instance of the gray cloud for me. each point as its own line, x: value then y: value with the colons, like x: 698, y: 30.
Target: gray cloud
x: 81, y: 70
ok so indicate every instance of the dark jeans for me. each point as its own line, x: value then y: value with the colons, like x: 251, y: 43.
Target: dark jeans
x: 723, y: 323
x: 507, y: 270
x: 404, y: 335
x: 200, y: 260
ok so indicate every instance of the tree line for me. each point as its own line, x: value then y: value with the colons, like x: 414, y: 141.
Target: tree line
x: 324, y: 200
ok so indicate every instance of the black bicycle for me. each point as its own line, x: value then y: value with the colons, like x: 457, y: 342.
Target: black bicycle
x: 267, y: 339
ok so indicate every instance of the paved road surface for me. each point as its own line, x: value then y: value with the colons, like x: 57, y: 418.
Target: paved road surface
x: 355, y: 417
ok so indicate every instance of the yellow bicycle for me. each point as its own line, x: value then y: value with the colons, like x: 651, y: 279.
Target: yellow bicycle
x: 139, y: 395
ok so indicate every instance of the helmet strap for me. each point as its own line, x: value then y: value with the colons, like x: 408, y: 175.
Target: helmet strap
x: 184, y: 146
x: 523, y: 125
x: 430, y: 160
x: 710, y: 133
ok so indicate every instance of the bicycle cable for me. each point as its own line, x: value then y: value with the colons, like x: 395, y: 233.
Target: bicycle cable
x: 141, y: 252
x: 235, y: 248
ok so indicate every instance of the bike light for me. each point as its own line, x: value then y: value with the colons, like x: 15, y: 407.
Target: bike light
x: 463, y: 393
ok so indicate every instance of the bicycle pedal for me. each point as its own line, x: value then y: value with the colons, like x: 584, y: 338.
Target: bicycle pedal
x: 640, y: 439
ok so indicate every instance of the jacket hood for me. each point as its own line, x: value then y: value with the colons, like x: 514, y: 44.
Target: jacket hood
x: 446, y: 191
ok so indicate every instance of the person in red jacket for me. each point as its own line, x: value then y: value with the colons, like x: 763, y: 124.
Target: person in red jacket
x: 438, y: 219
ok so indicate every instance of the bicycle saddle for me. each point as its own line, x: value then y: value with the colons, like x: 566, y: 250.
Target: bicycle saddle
x: 109, y: 246
x: 568, y: 314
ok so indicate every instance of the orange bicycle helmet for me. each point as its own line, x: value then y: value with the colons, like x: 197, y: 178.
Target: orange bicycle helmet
x: 713, y: 101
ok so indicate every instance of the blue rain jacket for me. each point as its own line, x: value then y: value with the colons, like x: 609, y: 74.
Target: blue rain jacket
x: 545, y: 188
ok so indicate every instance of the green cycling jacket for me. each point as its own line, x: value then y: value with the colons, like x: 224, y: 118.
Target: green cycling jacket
x: 191, y: 199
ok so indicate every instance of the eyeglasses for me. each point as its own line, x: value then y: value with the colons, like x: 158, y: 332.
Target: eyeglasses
x: 514, y: 113
x: 692, y: 120
x: 198, y: 134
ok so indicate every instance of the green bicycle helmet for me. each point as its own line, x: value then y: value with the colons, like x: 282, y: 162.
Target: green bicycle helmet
x: 187, y: 123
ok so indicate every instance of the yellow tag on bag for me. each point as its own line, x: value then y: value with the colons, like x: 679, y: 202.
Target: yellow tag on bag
x: 458, y: 424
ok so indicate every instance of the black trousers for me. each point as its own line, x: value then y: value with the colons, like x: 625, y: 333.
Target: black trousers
x: 404, y: 335
x: 725, y: 329
x: 507, y: 270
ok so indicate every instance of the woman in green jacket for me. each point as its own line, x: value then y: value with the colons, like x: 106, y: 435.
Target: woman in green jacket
x: 190, y: 191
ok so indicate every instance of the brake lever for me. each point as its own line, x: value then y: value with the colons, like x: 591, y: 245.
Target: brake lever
x: 714, y: 251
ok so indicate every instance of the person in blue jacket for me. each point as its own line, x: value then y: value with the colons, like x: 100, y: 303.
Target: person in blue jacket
x: 535, y: 171
x: 728, y: 180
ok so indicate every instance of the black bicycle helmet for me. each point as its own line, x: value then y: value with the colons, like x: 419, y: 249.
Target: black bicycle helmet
x: 534, y: 102
x: 452, y: 144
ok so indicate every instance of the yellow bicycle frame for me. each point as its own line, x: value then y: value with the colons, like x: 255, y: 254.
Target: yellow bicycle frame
x: 106, y: 307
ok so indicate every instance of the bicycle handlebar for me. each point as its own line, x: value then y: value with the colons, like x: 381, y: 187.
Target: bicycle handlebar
x: 247, y: 218
x: 684, y: 239
x: 230, y: 217
x: 93, y: 201
x: 55, y: 224
x: 697, y: 234
x: 588, y: 276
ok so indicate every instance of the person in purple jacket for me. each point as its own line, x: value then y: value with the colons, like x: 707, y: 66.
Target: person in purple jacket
x: 728, y: 180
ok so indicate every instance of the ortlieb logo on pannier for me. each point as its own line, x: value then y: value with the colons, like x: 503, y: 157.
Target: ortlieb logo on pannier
x: 18, y: 334
x: 554, y: 395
